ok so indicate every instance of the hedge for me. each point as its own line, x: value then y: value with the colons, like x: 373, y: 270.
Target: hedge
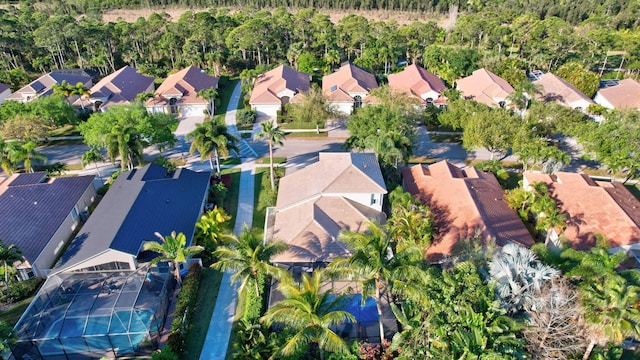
x: 185, y: 309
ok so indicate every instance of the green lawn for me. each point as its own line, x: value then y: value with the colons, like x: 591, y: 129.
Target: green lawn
x: 263, y: 197
x: 207, y: 296
x: 65, y: 142
x: 276, y: 160
x: 301, y: 125
x: 225, y: 96
x: 67, y: 130
x: 230, y: 161
x: 309, y: 135
x: 231, y: 201
x: 446, y: 138
x: 12, y: 314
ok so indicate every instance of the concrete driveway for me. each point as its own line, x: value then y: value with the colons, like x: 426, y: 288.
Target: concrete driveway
x: 188, y: 124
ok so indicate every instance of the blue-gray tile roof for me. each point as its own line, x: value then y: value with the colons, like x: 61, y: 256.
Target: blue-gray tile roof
x: 137, y: 205
x: 32, y: 208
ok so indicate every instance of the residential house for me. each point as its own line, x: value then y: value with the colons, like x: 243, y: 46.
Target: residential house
x: 5, y: 90
x: 38, y: 214
x: 340, y: 191
x: 485, y: 87
x: 104, y: 299
x: 118, y: 88
x: 465, y: 203
x: 555, y: 88
x: 417, y: 82
x: 43, y: 86
x: 346, y: 89
x: 592, y: 207
x: 273, y: 90
x: 178, y: 94
x: 625, y: 95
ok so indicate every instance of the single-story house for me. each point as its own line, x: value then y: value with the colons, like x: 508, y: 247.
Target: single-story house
x: 39, y: 214
x: 178, y: 93
x: 555, y: 88
x: 43, y: 86
x: 417, y: 82
x: 346, y: 89
x: 103, y: 299
x: 625, y: 95
x: 592, y: 207
x: 5, y: 90
x: 118, y: 88
x: 485, y: 87
x: 465, y: 203
x: 273, y: 90
x: 340, y: 191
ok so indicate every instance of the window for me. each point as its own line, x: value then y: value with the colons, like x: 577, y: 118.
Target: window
x: 357, y: 101
x: 374, y: 199
x: 74, y: 214
x: 429, y: 101
x: 334, y: 88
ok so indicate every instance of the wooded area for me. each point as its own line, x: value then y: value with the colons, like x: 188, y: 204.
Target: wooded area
x: 498, y: 36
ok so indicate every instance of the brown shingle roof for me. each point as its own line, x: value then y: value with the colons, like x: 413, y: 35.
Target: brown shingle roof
x: 186, y: 83
x: 555, y: 88
x: 624, y: 95
x: 593, y: 207
x: 484, y: 86
x: 311, y: 229
x: 313, y: 205
x: 464, y: 202
x: 415, y: 80
x: 271, y: 83
x: 348, y: 79
x: 43, y: 85
x: 334, y: 173
x: 120, y: 87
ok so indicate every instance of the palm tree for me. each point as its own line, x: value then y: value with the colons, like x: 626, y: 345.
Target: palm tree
x: 311, y: 313
x: 93, y: 155
x: 519, y: 276
x: 8, y: 255
x: 26, y: 153
x: 172, y: 248
x: 211, y: 139
x: 375, y: 267
x: 80, y: 90
x: 5, y: 157
x: 209, y: 95
x: 274, y: 136
x: 144, y: 96
x: 125, y: 141
x: 249, y: 257
x: 524, y: 94
x: 212, y: 227
x: 610, y: 309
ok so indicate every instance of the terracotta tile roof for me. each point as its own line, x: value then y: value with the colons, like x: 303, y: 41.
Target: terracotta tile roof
x: 42, y: 86
x: 464, y: 202
x: 415, y: 80
x: 593, y: 207
x: 334, y: 173
x: 555, y: 88
x: 624, y: 95
x: 316, y: 203
x: 484, y: 87
x: 120, y: 87
x: 269, y: 86
x: 311, y: 229
x: 348, y: 79
x: 184, y: 85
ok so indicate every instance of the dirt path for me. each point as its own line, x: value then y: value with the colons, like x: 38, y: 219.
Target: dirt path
x: 402, y: 17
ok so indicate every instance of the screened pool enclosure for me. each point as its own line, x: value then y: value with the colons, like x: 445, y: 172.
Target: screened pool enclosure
x: 91, y: 315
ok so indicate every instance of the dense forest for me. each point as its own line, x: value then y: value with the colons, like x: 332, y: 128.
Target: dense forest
x: 497, y: 35
x: 624, y: 13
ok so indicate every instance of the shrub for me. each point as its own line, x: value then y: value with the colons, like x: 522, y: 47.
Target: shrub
x: 165, y: 354
x: 185, y: 308
x: 24, y: 289
x: 167, y: 164
x: 245, y: 118
x: 103, y: 190
x: 253, y: 309
x: 217, y: 194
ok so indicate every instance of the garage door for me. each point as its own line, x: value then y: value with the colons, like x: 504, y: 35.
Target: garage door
x: 193, y: 110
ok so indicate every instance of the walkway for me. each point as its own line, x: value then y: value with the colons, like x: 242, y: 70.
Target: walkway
x: 217, y: 340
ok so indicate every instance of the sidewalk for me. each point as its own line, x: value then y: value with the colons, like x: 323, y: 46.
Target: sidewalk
x: 217, y: 340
